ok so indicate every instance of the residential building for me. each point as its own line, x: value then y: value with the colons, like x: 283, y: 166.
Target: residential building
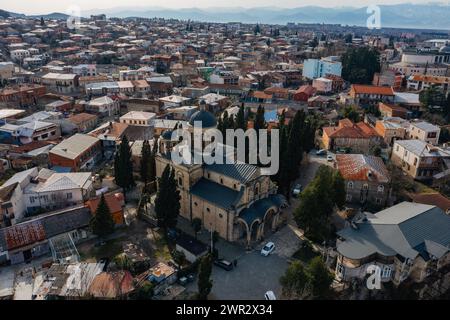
x: 104, y: 106
x: 366, y: 178
x: 392, y: 110
x: 78, y: 152
x: 323, y: 85
x: 391, y: 129
x: 139, y: 118
x: 65, y: 83
x: 115, y: 203
x: 34, y: 238
x: 419, y: 159
x: 364, y: 95
x: 423, y: 131
x: 406, y: 241
x: 83, y: 121
x: 421, y: 82
x: 359, y: 137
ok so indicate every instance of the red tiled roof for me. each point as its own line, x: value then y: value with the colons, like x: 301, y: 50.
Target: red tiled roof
x: 358, y: 167
x: 24, y: 234
x: 114, y: 202
x: 347, y: 129
x: 385, y: 91
x: 434, y: 199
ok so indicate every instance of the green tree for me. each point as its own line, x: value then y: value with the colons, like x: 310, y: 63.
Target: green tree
x: 204, y: 277
x: 338, y: 186
x: 320, y: 279
x: 351, y: 113
x: 360, y: 64
x: 294, y: 282
x: 310, y: 282
x: 317, y: 202
x: 196, y: 225
x: 102, y: 223
x: 145, y: 291
x: 257, y: 29
x: 145, y: 163
x: 123, y: 166
x: 241, y: 122
x: 167, y: 202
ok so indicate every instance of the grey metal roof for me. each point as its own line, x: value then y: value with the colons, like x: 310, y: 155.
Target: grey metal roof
x: 260, y: 207
x: 66, y: 221
x: 215, y: 193
x: 206, y: 118
x: 401, y: 229
x: 239, y: 171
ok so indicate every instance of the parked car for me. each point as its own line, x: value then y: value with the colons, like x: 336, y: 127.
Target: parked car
x: 267, y: 249
x: 297, y: 190
x: 224, y: 264
x: 321, y: 152
x: 269, y: 295
x: 330, y: 158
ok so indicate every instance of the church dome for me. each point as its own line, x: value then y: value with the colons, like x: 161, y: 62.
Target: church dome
x: 206, y: 118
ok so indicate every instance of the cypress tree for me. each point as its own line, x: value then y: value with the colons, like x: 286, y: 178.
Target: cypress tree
x: 102, y: 223
x: 123, y: 167
x: 167, y: 203
x: 204, y: 277
x: 145, y: 163
x: 241, y: 123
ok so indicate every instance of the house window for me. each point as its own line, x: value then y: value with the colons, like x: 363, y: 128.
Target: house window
x: 180, y: 181
x: 348, y: 197
x: 234, y: 186
x: 32, y: 199
x: 365, y: 186
x: 380, y: 188
x: 387, y: 272
x: 195, y: 204
x: 415, y: 161
x: 69, y: 195
x: 207, y: 209
x: 350, y: 185
x: 220, y: 215
x: 378, y: 200
x: 221, y: 181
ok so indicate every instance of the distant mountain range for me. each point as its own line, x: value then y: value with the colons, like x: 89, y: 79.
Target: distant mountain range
x: 418, y: 16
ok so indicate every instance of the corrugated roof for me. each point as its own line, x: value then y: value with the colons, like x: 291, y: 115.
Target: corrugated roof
x: 21, y: 235
x: 401, y: 229
x: 239, y: 171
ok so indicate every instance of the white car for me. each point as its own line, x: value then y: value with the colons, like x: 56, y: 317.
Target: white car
x: 269, y: 295
x: 330, y: 158
x: 267, y: 249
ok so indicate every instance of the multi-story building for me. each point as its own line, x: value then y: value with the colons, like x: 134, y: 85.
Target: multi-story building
x: 419, y: 159
x: 421, y: 82
x: 391, y: 129
x: 61, y: 82
x: 359, y: 137
x: 314, y: 68
x: 371, y: 95
x: 366, y: 178
x: 78, y: 152
x: 423, y: 131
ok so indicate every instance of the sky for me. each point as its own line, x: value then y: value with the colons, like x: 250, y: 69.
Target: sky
x: 48, y: 6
